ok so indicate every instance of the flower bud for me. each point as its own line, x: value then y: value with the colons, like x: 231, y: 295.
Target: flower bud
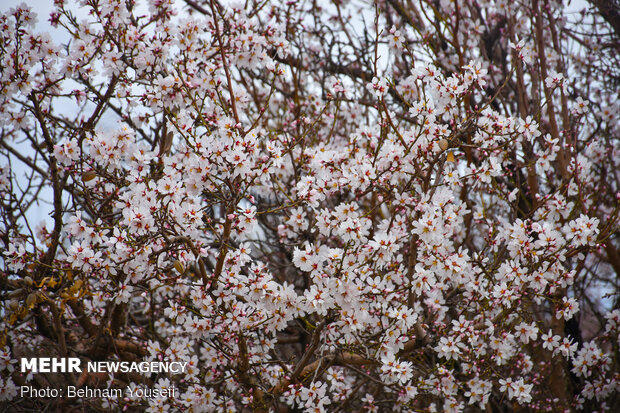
x: 178, y: 265
x: 89, y: 175
x: 165, y: 143
x: 443, y: 144
x: 16, y: 293
x: 31, y: 300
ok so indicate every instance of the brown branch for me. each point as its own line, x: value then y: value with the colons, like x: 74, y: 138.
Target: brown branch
x: 225, y: 63
x: 201, y: 265
x: 57, y: 188
x: 248, y: 381
x: 555, y: 133
x: 59, y: 330
x: 314, y: 344
x: 78, y: 309
x: 610, y: 11
x: 197, y: 7
x: 219, y: 264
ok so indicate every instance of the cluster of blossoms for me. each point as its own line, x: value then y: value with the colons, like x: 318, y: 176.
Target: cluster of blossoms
x: 424, y: 224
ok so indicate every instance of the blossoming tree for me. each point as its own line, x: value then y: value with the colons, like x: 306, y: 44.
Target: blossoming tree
x: 320, y: 206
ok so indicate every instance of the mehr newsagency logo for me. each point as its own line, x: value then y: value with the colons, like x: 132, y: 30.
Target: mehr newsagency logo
x: 74, y: 365
x: 37, y: 365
